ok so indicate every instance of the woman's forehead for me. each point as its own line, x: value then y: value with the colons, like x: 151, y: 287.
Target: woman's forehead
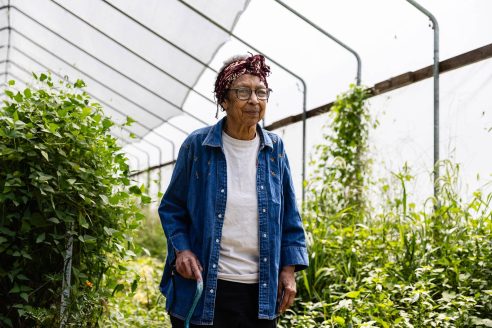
x: 247, y: 80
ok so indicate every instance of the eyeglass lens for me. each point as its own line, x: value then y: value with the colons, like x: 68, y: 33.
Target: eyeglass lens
x: 245, y: 93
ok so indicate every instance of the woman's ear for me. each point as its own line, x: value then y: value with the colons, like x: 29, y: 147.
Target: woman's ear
x: 224, y: 105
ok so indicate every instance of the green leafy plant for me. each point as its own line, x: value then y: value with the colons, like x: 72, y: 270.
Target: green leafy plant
x: 390, y: 262
x: 138, y: 301
x: 63, y: 179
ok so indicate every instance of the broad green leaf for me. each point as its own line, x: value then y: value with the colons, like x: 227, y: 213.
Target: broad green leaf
x: 27, y: 93
x: 40, y: 238
x: 89, y: 239
x: 82, y: 221
x: 107, y: 123
x: 86, y: 111
x: 53, y: 127
x: 129, y: 121
x: 54, y: 220
x: 43, y: 77
x: 45, y: 155
x: 15, y: 289
x: 134, y: 285
x: 24, y: 297
x: 79, y: 84
x: 339, y: 320
x: 119, y: 287
x: 135, y: 190
x: 18, y: 97
x: 353, y: 294
x: 11, y: 82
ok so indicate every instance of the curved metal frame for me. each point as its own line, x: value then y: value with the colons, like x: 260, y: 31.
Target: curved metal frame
x: 119, y: 137
x: 357, y: 57
x: 435, y: 70
x: 96, y: 98
x: 100, y: 61
x: 304, y: 116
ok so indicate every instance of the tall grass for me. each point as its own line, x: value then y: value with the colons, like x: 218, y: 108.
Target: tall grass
x: 406, y: 265
x: 392, y: 262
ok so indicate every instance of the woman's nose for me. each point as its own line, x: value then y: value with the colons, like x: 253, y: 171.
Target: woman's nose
x: 253, y: 98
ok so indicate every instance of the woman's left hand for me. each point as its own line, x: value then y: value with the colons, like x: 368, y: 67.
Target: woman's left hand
x: 287, y: 286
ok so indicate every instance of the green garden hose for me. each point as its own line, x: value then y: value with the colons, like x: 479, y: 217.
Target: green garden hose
x: 198, y: 294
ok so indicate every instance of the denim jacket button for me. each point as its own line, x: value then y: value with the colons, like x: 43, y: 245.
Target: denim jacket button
x: 220, y: 216
x: 222, y: 190
x: 217, y: 240
x: 264, y: 210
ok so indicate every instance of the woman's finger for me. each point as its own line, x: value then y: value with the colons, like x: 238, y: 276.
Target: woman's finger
x: 196, y: 270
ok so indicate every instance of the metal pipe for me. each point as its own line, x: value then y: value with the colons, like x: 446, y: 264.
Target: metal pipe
x: 90, y: 77
x: 148, y: 29
x: 159, y: 161
x: 139, y: 56
x: 304, y: 116
x: 435, y: 69
x: 129, y: 131
x: 8, y: 41
x: 106, y: 64
x: 136, y: 157
x: 67, y: 274
x: 102, y: 102
x: 359, y: 63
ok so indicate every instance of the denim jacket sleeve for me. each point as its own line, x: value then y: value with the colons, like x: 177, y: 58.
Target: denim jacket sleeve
x: 293, y: 245
x: 173, y: 210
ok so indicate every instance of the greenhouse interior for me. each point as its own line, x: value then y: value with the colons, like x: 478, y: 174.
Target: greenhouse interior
x: 383, y: 109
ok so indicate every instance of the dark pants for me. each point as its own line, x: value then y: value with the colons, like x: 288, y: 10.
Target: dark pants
x: 236, y: 306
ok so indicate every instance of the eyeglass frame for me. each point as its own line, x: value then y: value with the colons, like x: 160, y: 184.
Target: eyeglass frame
x: 251, y: 92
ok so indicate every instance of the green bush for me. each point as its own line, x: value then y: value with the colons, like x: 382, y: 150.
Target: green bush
x: 149, y: 238
x: 138, y: 301
x: 62, y: 178
x: 394, y: 263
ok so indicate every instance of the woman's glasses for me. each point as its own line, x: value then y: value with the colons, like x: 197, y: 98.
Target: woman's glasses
x: 245, y: 93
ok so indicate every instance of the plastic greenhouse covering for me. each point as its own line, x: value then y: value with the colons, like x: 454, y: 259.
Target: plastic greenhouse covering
x: 156, y: 61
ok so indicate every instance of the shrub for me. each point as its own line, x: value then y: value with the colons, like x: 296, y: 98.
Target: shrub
x: 63, y: 180
x: 395, y: 263
x: 138, y: 301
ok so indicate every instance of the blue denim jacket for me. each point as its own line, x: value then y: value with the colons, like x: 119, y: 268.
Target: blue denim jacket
x: 192, y: 212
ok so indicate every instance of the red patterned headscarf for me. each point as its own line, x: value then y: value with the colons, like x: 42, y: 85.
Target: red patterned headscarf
x: 253, y: 64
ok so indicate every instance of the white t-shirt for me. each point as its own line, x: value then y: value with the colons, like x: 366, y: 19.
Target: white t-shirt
x: 239, y: 253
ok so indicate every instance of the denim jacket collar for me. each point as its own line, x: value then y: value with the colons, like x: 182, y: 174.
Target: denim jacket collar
x: 214, y: 136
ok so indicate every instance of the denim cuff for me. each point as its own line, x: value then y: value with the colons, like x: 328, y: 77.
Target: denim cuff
x: 294, y: 255
x: 180, y: 242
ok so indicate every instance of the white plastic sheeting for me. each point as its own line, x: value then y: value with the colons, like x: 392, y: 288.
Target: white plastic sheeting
x: 139, y: 59
x: 142, y: 58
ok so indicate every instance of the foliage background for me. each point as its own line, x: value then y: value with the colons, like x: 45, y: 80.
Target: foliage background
x: 389, y: 262
x: 63, y: 179
x: 378, y: 259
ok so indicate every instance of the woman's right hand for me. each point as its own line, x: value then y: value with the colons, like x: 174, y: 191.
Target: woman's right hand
x: 188, y: 266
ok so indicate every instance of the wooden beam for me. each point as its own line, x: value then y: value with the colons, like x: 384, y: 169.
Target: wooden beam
x: 393, y: 83
x: 399, y: 81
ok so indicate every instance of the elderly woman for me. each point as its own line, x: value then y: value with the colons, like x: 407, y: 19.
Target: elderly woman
x: 230, y: 214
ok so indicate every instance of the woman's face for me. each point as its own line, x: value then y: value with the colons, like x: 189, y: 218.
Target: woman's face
x: 244, y: 112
